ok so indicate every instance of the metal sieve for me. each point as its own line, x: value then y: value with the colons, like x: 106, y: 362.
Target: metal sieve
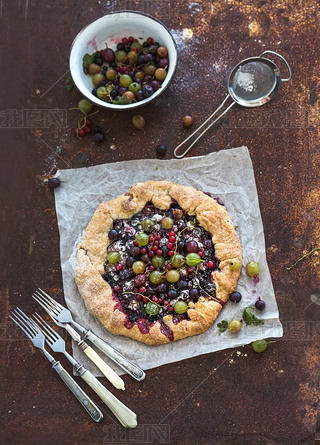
x: 252, y: 83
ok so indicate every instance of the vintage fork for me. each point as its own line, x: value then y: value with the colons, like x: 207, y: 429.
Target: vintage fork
x: 36, y: 336
x: 126, y: 417
x: 63, y: 315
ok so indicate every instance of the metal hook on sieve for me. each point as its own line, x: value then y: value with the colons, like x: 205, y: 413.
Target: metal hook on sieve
x: 252, y: 83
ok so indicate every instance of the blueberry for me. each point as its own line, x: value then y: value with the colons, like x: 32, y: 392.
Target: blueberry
x: 147, y: 91
x: 113, y: 234
x: 235, y: 297
x: 98, y: 61
x: 145, y: 44
x: 53, y: 183
x: 120, y: 46
x: 99, y: 137
x: 124, y: 274
x: 172, y: 294
x: 97, y: 129
x: 260, y: 304
x: 194, y: 294
x: 182, y: 285
x: 161, y: 150
x: 113, y: 93
x: 162, y: 288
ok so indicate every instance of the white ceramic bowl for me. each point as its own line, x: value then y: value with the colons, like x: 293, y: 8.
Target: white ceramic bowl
x: 111, y: 29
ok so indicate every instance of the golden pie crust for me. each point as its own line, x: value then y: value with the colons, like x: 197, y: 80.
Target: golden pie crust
x: 92, y: 252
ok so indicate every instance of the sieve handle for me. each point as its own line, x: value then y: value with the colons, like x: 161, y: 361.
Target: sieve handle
x: 179, y: 156
x: 282, y: 58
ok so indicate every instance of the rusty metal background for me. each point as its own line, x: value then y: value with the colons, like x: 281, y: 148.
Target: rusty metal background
x: 229, y: 397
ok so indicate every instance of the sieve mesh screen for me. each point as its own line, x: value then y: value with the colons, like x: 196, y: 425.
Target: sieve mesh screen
x: 252, y: 80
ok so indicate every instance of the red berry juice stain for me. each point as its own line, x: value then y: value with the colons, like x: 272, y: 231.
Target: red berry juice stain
x: 93, y: 43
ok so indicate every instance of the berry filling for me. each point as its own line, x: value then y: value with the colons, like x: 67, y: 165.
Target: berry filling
x: 159, y: 262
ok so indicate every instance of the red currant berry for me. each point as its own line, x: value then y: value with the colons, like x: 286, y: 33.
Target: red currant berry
x: 131, y: 39
x: 152, y: 268
x: 156, y: 243
x: 82, y: 133
x: 190, y: 270
x: 151, y: 239
x: 170, y: 308
x: 88, y: 122
x: 155, y: 249
x: 151, y: 254
x: 210, y: 264
x: 124, y: 40
x: 142, y: 290
x: 139, y: 297
x: 200, y: 254
x: 155, y: 298
x: 160, y: 301
x: 150, y: 41
x: 135, y: 243
x: 143, y: 251
x: 117, y: 288
x: 159, y: 252
x: 76, y: 131
x: 172, y: 233
x: 135, y: 40
x: 166, y: 302
x: 169, y: 266
x: 158, y: 237
x: 119, y: 267
x: 171, y: 253
x: 136, y: 289
x: 145, y: 300
x: 170, y: 245
x: 172, y: 239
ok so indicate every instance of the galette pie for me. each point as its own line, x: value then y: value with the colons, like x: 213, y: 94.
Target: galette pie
x: 159, y: 262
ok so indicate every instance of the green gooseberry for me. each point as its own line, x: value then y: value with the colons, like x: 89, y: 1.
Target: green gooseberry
x: 147, y: 224
x: 193, y: 259
x: 180, y: 307
x: 113, y: 257
x: 142, y: 239
x: 152, y: 308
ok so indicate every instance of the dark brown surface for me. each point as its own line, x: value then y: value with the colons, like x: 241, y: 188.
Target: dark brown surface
x: 220, y: 398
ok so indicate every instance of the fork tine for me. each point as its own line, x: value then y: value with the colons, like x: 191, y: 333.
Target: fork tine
x: 49, y: 333
x: 27, y: 320
x: 27, y: 332
x: 49, y: 339
x: 22, y: 319
x: 46, y: 305
x: 54, y: 302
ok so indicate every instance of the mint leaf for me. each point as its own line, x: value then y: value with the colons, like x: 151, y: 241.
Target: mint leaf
x: 69, y: 84
x: 223, y: 326
x: 88, y: 59
x: 250, y: 318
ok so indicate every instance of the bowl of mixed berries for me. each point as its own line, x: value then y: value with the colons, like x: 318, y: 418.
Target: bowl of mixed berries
x: 123, y: 60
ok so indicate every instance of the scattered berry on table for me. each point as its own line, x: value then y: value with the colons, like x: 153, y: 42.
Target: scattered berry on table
x: 53, y: 183
x: 187, y: 121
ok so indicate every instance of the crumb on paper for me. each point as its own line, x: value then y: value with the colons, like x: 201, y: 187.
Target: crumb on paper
x: 113, y: 147
x: 38, y: 91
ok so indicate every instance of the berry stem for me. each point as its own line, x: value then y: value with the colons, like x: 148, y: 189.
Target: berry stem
x: 143, y: 296
x: 178, y: 236
x: 304, y: 256
x: 213, y: 298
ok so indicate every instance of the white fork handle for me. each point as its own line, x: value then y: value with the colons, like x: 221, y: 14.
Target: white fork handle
x: 125, y: 416
x: 108, y: 372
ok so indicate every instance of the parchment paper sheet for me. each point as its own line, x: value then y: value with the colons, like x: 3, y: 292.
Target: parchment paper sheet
x: 227, y: 174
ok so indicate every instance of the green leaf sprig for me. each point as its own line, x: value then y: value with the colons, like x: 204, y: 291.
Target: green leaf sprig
x: 223, y: 326
x: 249, y: 318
